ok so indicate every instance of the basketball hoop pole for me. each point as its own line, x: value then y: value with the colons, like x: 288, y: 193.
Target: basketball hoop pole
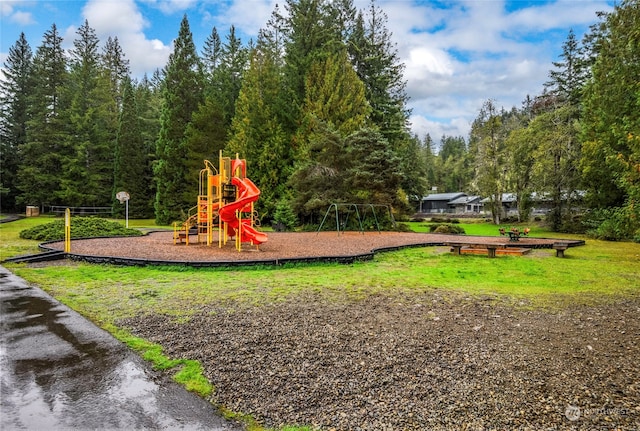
x: 123, y: 197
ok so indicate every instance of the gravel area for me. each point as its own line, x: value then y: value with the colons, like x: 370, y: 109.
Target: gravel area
x: 422, y: 362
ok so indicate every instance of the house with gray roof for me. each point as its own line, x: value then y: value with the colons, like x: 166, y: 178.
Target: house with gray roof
x: 436, y: 203
x: 467, y: 205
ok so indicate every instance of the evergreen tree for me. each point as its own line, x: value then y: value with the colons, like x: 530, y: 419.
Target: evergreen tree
x: 148, y: 97
x: 311, y: 34
x: 256, y: 132
x: 15, y: 88
x: 88, y: 172
x: 570, y: 75
x: 182, y: 94
x: 556, y: 161
x: 131, y: 158
x: 116, y: 66
x: 44, y: 150
x: 233, y: 62
x: 376, y: 61
x: 412, y: 161
x: 455, y: 166
x: 374, y: 175
x: 521, y: 145
x: 321, y: 179
x: 335, y: 95
x: 430, y: 162
x: 205, y: 136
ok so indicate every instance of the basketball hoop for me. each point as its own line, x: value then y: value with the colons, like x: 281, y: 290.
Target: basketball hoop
x: 122, y: 197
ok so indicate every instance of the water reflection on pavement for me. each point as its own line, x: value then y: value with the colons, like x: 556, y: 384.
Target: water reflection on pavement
x: 61, y: 372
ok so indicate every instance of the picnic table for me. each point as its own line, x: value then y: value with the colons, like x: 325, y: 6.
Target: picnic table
x: 514, y: 233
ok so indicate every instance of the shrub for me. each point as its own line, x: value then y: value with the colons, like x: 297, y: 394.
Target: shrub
x: 446, y: 228
x: 284, y: 217
x: 611, y: 224
x: 444, y: 220
x: 81, y: 227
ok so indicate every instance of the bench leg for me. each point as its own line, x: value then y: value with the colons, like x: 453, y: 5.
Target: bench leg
x: 559, y: 252
x: 456, y: 249
x: 491, y: 252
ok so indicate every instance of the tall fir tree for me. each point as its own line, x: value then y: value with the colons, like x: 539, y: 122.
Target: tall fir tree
x: 374, y: 175
x: 212, y: 52
x: 182, y: 94
x: 15, y: 88
x: 256, y: 132
x: 570, y: 75
x: 88, y: 172
x: 454, y: 164
x: 47, y: 129
x: 148, y: 96
x: 116, y: 66
x: 335, y: 95
x: 233, y: 63
x: 131, y: 158
x: 311, y: 34
x: 375, y: 58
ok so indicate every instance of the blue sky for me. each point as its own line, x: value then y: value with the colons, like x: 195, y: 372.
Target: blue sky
x: 457, y: 53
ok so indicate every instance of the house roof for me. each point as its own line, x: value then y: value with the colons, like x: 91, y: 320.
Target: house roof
x: 506, y: 197
x: 443, y: 196
x: 463, y: 200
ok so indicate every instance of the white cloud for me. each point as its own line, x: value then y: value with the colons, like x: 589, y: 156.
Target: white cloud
x: 23, y: 18
x: 17, y: 16
x: 127, y: 24
x: 171, y: 6
x: 248, y: 16
x: 463, y: 53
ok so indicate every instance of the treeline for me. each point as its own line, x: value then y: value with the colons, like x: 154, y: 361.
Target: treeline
x: 577, y: 145
x: 317, y: 105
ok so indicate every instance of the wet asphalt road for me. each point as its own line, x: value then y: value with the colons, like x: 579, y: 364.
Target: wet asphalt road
x: 61, y: 372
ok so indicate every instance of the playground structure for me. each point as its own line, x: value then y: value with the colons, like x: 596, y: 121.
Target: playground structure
x: 225, y: 204
x: 359, y: 214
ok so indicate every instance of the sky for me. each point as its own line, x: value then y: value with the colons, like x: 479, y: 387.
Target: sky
x: 457, y: 54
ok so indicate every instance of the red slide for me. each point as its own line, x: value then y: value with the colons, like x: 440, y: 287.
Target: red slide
x: 248, y: 192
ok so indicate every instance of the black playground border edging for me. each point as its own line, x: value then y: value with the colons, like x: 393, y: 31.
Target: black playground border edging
x: 51, y: 254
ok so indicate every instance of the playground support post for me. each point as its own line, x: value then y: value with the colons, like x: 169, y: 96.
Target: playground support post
x: 67, y: 231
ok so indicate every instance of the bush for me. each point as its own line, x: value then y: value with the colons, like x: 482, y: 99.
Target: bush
x: 611, y: 224
x: 403, y: 227
x: 444, y: 220
x: 284, y: 218
x: 81, y: 227
x: 446, y: 228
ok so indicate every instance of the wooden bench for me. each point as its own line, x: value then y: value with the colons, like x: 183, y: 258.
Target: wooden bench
x: 457, y: 247
x: 560, y: 248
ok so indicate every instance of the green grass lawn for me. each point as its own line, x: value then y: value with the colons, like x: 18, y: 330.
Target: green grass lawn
x: 598, y: 271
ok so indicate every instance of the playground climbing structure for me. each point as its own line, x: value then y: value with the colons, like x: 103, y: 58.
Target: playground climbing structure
x: 225, y: 205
